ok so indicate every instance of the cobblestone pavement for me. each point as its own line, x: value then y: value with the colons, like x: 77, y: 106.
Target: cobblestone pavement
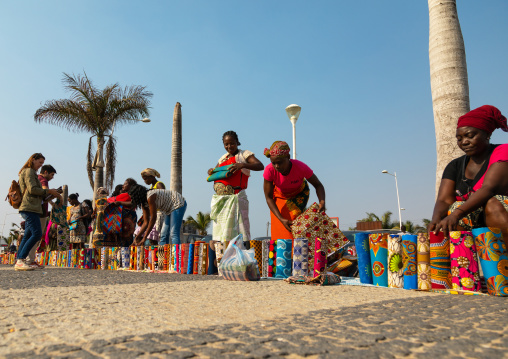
x: 285, y: 320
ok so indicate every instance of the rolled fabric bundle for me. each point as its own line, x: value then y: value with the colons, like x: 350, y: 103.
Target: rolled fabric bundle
x: 272, y: 257
x: 165, y: 262
x: 126, y: 254
x: 200, y: 259
x: 423, y: 261
x: 378, y: 244
x: 363, y: 255
x: 395, y: 263
x: 104, y: 257
x: 464, y: 262
x: 175, y: 248
x: 284, y: 261
x: 140, y: 261
x: 320, y: 254
x: 440, y: 270
x: 493, y: 259
x: 133, y: 257
x: 196, y: 257
x: 409, y: 242
x: 266, y: 253
x: 190, y: 259
x: 301, y: 257
x: 147, y: 258
x: 160, y: 258
x: 258, y: 252
x: 81, y: 258
x: 212, y: 258
x: 184, y: 259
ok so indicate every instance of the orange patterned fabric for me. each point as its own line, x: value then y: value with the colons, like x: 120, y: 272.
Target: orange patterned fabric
x: 290, y: 207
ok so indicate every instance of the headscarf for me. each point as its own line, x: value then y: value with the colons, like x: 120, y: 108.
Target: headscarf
x: 150, y: 172
x: 102, y: 191
x: 138, y: 195
x: 277, y: 149
x: 486, y: 118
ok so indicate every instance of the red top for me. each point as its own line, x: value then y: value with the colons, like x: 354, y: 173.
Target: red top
x: 122, y: 197
x: 238, y: 179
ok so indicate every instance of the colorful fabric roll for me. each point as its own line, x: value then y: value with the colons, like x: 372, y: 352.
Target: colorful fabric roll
x: 272, y: 257
x: 133, y: 257
x: 63, y: 238
x: 395, y: 263
x: 265, y: 253
x: 493, y: 258
x: 161, y: 259
x: 184, y: 250
x: 196, y: 262
x: 320, y: 254
x: 212, y: 259
x: 301, y: 257
x: 178, y: 258
x: 363, y: 255
x: 81, y: 259
x: 200, y: 259
x: 423, y: 261
x: 126, y: 255
x: 440, y: 267
x: 147, y: 258
x: 378, y: 244
x: 174, y: 257
x: 409, y: 242
x: 167, y: 251
x: 140, y: 260
x: 284, y: 261
x: 258, y: 252
x: 190, y: 259
x: 464, y: 262
x: 104, y: 258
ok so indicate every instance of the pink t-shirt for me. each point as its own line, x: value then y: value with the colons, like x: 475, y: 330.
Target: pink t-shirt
x: 500, y: 154
x: 293, y: 180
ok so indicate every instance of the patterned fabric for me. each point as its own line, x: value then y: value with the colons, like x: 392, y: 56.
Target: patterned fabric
x: 160, y: 258
x: 312, y: 224
x: 272, y: 257
x: 230, y: 216
x: 112, y: 222
x: 266, y: 254
x: 363, y: 254
x: 258, y: 252
x: 322, y: 279
x: 301, y: 257
x: 59, y: 214
x: 319, y: 257
x: 423, y: 260
x: 378, y: 244
x: 184, y: 257
x: 190, y: 259
x: 126, y: 255
x: 140, y: 258
x: 290, y: 207
x: 395, y: 263
x: 277, y: 149
x: 203, y: 259
x: 133, y: 258
x: 475, y: 218
x: 81, y: 259
x: 409, y: 242
x: 440, y: 271
x: 104, y: 258
x: 166, y: 256
x: 464, y: 262
x: 63, y: 238
x: 166, y: 200
x: 493, y: 259
x: 284, y: 259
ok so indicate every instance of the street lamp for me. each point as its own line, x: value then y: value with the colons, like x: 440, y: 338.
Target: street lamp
x: 293, y: 112
x: 398, y: 199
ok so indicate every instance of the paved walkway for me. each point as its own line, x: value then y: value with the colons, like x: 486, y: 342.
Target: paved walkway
x: 70, y: 313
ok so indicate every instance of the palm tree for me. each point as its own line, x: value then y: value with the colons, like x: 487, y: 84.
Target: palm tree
x: 176, y: 151
x: 201, y: 223
x: 386, y: 220
x: 97, y: 112
x: 448, y: 79
x: 371, y: 217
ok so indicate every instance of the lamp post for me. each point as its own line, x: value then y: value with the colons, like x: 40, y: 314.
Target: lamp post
x: 293, y: 112
x: 398, y: 199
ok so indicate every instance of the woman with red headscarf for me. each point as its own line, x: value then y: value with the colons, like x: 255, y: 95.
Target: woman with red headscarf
x: 474, y: 187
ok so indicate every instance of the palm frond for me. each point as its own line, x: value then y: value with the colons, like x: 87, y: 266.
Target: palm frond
x: 89, y: 161
x: 110, y: 162
x: 66, y: 113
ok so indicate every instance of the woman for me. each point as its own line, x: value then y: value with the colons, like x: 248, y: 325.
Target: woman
x: 230, y: 206
x: 170, y: 203
x: 150, y: 176
x: 31, y: 207
x: 474, y: 187
x: 76, y: 213
x: 129, y: 217
x: 286, y: 189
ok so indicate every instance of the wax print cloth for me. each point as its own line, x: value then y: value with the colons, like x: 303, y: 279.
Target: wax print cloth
x: 133, y: 258
x: 161, y: 258
x: 200, y: 258
x: 196, y: 257
x: 319, y: 257
x: 266, y: 253
x: 464, y: 262
x: 423, y: 261
x: 493, y: 258
x: 63, y: 238
x: 104, y: 258
x: 363, y: 255
x: 378, y: 243
x: 190, y: 259
x: 59, y: 214
x: 230, y: 216
x: 311, y: 224
x: 140, y: 258
x: 81, y: 259
x: 395, y: 263
x: 272, y: 258
x: 409, y: 243
x: 167, y: 255
x: 440, y: 266
x: 258, y: 252
x: 184, y: 257
x: 301, y: 257
x: 284, y: 260
x: 320, y: 280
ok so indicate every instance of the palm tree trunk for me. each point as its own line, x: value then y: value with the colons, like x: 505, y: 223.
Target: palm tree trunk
x: 99, y: 166
x: 448, y: 79
x: 176, y: 151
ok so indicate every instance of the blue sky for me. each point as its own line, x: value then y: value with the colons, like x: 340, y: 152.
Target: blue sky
x: 359, y: 69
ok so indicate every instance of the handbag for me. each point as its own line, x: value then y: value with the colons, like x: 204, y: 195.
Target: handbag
x: 219, y: 173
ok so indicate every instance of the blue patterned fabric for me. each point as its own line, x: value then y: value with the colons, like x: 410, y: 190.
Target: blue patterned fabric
x: 409, y: 242
x: 301, y: 257
x: 283, y: 259
x: 190, y: 263
x: 363, y: 255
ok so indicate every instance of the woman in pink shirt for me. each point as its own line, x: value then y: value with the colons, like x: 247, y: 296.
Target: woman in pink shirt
x: 286, y: 189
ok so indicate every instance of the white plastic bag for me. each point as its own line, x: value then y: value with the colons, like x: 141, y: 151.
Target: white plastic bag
x: 239, y: 263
